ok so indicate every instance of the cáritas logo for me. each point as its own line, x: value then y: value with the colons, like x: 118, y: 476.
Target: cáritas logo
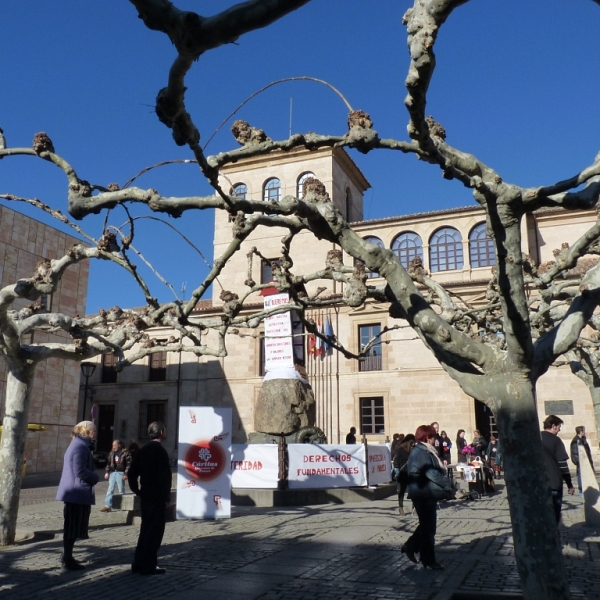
x: 205, y: 460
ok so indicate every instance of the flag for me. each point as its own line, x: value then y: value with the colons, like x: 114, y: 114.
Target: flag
x: 319, y: 341
x: 312, y: 342
x: 329, y: 336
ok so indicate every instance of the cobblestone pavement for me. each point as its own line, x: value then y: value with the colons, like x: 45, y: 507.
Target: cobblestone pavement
x: 331, y: 552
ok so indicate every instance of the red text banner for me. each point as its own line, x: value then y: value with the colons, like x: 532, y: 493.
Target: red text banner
x: 254, y: 466
x: 326, y: 465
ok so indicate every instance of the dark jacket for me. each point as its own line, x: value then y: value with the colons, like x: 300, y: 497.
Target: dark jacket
x: 580, y: 441
x: 460, y: 444
x: 426, y: 478
x: 446, y: 446
x: 555, y: 459
x: 78, y: 475
x: 151, y: 466
x: 480, y: 445
x: 119, y: 461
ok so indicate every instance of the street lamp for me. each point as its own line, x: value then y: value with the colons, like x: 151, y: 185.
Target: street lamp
x: 87, y: 369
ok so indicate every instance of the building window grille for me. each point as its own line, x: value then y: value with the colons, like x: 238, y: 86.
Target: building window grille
x: 300, y: 184
x: 445, y: 250
x: 372, y: 417
x: 266, y: 273
x: 373, y: 360
x: 481, y: 247
x: 109, y: 368
x: 272, y: 190
x: 158, y: 366
x: 373, y: 240
x: 240, y: 190
x: 150, y: 411
x: 261, y: 358
x: 406, y: 247
x: 348, y: 205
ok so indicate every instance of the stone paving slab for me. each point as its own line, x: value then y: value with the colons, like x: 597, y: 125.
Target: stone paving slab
x: 332, y: 552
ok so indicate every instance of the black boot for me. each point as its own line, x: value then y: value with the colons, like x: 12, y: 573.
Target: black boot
x: 67, y: 560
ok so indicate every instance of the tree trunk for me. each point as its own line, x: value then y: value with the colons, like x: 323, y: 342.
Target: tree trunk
x: 537, y: 544
x: 595, y: 393
x: 12, y: 447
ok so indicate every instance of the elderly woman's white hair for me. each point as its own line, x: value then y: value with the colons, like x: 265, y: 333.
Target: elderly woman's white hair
x: 84, y: 428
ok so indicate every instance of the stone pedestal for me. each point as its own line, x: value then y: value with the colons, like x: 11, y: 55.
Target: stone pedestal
x: 284, y: 406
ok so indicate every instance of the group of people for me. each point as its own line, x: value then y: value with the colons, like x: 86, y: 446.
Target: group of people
x: 148, y: 473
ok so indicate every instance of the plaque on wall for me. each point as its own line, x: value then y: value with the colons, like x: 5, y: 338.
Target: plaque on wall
x: 559, y: 407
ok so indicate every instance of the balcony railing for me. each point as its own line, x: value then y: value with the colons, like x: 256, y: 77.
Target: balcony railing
x: 370, y: 363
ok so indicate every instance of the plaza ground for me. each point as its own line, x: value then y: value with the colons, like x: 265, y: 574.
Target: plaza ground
x: 332, y: 552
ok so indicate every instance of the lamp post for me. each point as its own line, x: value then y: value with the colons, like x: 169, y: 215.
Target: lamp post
x: 87, y: 369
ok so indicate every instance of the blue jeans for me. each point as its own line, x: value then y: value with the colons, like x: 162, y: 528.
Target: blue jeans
x: 115, y: 479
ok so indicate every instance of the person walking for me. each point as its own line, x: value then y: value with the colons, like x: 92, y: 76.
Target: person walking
x: 460, y: 444
x: 555, y: 459
x: 427, y: 484
x: 76, y: 490
x: 117, y: 467
x: 150, y: 478
x: 401, y: 468
x: 578, y: 442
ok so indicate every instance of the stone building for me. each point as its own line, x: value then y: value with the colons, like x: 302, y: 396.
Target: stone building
x: 54, y: 403
x: 399, y: 385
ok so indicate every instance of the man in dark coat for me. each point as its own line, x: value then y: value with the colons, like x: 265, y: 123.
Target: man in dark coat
x: 581, y: 441
x: 555, y: 458
x: 151, y: 467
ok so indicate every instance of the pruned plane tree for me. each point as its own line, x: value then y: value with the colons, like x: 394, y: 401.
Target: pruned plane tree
x: 496, y: 352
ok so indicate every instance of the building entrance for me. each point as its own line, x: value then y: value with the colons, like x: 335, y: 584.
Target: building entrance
x: 484, y: 420
x: 106, y: 426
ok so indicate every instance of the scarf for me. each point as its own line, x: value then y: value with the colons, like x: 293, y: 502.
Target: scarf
x: 433, y: 451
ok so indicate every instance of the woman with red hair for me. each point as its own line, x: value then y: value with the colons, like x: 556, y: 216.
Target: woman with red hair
x: 427, y: 484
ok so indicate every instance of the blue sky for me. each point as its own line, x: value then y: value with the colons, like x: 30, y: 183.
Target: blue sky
x: 514, y: 85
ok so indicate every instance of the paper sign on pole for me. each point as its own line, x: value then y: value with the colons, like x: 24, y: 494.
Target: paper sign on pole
x: 254, y: 466
x: 379, y: 463
x: 204, y: 463
x: 279, y: 349
x: 326, y: 465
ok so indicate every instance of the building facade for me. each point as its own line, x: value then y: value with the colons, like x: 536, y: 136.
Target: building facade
x: 54, y: 402
x: 399, y: 385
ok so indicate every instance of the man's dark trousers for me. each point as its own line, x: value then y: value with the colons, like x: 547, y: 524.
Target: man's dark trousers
x: 151, y: 535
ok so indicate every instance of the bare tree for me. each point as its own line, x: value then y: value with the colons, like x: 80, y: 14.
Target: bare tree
x: 499, y: 368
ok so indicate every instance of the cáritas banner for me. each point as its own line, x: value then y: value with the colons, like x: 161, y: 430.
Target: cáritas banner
x: 204, y: 463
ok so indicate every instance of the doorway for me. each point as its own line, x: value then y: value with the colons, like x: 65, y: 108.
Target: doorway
x: 484, y: 420
x: 106, y: 426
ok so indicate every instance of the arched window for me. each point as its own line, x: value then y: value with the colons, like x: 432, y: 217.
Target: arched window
x: 348, y: 205
x: 377, y: 242
x: 300, y: 183
x: 240, y: 190
x: 481, y: 247
x: 445, y: 250
x: 407, y: 246
x: 272, y: 190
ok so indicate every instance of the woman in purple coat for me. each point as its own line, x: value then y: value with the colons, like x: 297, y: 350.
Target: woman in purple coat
x: 76, y: 490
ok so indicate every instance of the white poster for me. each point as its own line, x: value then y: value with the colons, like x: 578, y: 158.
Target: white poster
x: 204, y: 463
x: 279, y: 349
x: 379, y: 463
x: 254, y: 466
x: 326, y: 465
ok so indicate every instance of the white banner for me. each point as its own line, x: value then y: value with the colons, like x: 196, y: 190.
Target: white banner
x: 254, y: 466
x: 379, y: 463
x: 326, y: 465
x: 279, y: 349
x: 204, y: 463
